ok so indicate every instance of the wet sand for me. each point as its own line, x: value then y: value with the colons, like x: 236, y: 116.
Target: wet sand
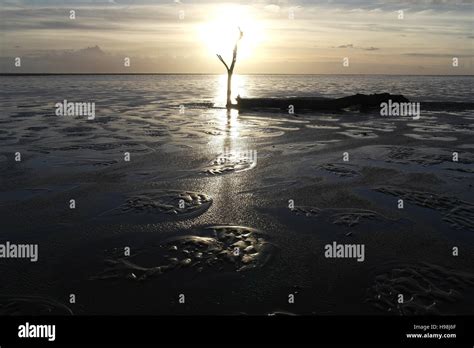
x: 190, y: 196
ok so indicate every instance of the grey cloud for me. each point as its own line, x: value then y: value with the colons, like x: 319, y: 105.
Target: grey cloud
x: 346, y: 46
x: 371, y: 48
x: 438, y: 55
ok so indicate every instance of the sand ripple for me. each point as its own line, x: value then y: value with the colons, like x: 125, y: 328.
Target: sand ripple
x: 31, y: 305
x: 340, y: 216
x: 459, y: 214
x: 164, y: 202
x: 216, y: 248
x: 424, y: 287
x: 429, y: 137
x: 339, y: 170
x: 424, y: 156
x: 231, y: 163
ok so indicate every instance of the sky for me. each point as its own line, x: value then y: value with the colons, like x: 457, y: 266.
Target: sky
x: 427, y: 37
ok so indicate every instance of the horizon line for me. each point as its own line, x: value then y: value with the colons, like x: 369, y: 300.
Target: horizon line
x: 256, y: 74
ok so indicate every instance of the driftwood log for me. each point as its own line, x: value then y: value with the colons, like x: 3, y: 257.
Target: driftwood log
x: 357, y: 101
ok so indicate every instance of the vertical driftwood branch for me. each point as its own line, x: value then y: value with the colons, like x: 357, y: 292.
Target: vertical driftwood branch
x: 230, y: 70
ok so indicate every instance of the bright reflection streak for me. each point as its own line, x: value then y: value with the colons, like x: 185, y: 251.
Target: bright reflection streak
x: 229, y: 122
x: 238, y: 88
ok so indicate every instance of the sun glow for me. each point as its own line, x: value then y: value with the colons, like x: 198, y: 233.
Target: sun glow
x: 220, y: 33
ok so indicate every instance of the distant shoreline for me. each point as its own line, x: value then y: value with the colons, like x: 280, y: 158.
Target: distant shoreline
x: 217, y: 74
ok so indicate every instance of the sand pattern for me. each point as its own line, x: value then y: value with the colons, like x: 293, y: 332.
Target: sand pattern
x: 425, y: 156
x: 306, y: 146
x: 434, y: 126
x: 231, y: 163
x: 217, y: 248
x: 424, y: 287
x: 164, y: 202
x: 321, y: 126
x: 371, y: 125
x: 340, y: 216
x: 458, y: 213
x: 32, y: 305
x: 429, y: 137
x: 359, y: 134
x: 339, y: 170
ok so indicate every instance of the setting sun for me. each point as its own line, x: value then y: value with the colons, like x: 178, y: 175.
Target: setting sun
x: 221, y: 31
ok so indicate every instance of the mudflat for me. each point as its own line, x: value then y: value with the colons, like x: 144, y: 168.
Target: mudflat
x: 234, y: 211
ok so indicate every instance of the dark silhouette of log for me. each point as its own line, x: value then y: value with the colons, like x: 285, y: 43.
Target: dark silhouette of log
x: 362, y: 102
x: 230, y: 70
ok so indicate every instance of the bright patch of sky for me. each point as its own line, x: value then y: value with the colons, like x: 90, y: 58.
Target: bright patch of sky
x: 183, y: 36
